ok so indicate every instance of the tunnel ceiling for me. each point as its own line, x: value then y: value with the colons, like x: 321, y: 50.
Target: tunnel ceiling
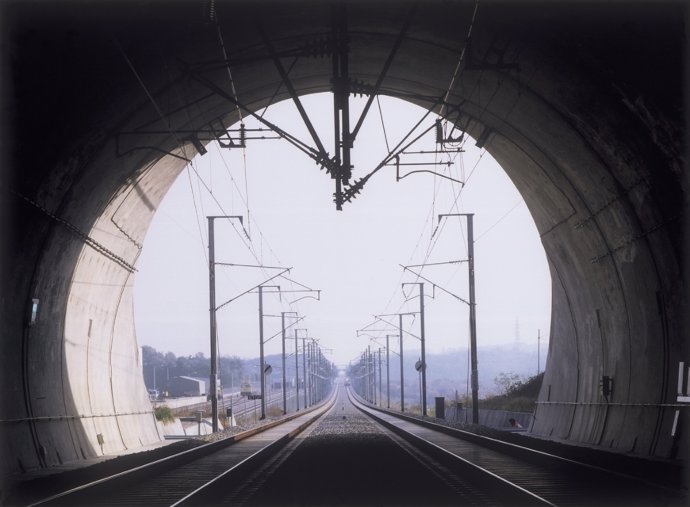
x: 71, y: 61
x: 581, y: 103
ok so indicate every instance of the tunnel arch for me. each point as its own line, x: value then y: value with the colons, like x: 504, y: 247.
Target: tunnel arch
x: 595, y: 148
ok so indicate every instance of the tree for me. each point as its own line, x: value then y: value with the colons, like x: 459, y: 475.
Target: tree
x: 152, y: 364
x: 507, y: 383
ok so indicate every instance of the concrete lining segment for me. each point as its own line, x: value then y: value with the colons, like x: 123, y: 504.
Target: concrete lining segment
x: 101, y: 301
x: 591, y: 143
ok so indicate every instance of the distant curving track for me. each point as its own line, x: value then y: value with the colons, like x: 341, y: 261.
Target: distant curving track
x: 347, y: 453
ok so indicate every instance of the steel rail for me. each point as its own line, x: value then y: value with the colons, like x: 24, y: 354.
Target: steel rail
x: 505, y: 489
x: 529, y: 455
x: 81, y: 495
x: 205, y: 493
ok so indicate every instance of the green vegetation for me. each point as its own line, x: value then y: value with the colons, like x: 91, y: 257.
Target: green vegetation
x: 518, y: 393
x: 164, y: 414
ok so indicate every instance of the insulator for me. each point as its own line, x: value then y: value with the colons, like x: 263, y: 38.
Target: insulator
x: 439, y: 132
x: 352, y: 192
x: 329, y: 164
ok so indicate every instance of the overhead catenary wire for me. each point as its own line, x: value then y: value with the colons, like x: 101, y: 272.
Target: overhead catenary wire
x: 257, y: 256
x: 383, y: 124
x: 521, y: 201
x: 456, y: 75
x: 179, y: 141
x: 223, y: 305
x: 454, y: 206
x: 396, y: 291
x: 250, y: 245
x: 233, y: 90
x: 435, y: 236
x: 458, y: 196
x: 159, y: 111
x: 201, y: 201
x: 189, y: 178
x: 251, y: 220
x: 429, y: 218
x: 190, y: 165
x: 261, y: 235
x: 196, y: 213
x: 458, y: 68
x: 430, y: 250
x: 434, y: 284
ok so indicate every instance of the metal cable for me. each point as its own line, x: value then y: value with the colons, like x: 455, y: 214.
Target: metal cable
x: 85, y: 237
x: 458, y: 69
x: 383, y: 124
x: 499, y: 220
x: 239, y: 113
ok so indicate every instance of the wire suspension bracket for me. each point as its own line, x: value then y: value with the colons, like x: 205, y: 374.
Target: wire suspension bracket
x: 342, y: 166
x: 339, y: 166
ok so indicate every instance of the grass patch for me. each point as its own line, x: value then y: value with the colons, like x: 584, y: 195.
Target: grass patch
x: 164, y: 414
x: 520, y: 398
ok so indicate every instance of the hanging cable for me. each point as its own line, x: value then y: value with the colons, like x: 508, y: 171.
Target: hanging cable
x: 201, y: 201
x: 227, y: 66
x: 246, y: 188
x: 458, y: 68
x: 383, y: 124
x: 85, y: 237
x: 233, y: 90
x: 191, y: 166
x: 174, y: 87
x: 196, y: 213
x: 159, y: 111
x: 499, y: 220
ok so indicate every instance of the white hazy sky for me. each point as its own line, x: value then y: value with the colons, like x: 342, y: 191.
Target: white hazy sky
x: 352, y: 256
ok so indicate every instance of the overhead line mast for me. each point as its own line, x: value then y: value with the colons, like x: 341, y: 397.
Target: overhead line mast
x: 342, y: 167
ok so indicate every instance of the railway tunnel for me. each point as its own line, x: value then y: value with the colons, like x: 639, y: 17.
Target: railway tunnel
x: 581, y: 103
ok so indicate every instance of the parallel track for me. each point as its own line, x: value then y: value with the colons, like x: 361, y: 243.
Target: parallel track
x: 358, y: 465
x: 557, y: 480
x: 311, y: 470
x: 166, y: 481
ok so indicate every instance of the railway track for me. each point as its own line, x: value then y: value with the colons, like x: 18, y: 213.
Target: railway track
x: 554, y: 479
x: 348, y: 458
x: 348, y: 453
x: 166, y: 481
x: 239, y: 404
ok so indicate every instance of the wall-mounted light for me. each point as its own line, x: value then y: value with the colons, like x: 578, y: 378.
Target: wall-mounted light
x: 683, y: 382
x: 34, y: 311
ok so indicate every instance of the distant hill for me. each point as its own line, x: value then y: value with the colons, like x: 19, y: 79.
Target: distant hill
x: 447, y: 372
x: 491, y: 361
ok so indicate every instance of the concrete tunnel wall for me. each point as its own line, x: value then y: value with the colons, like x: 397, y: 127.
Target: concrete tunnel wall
x: 594, y: 147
